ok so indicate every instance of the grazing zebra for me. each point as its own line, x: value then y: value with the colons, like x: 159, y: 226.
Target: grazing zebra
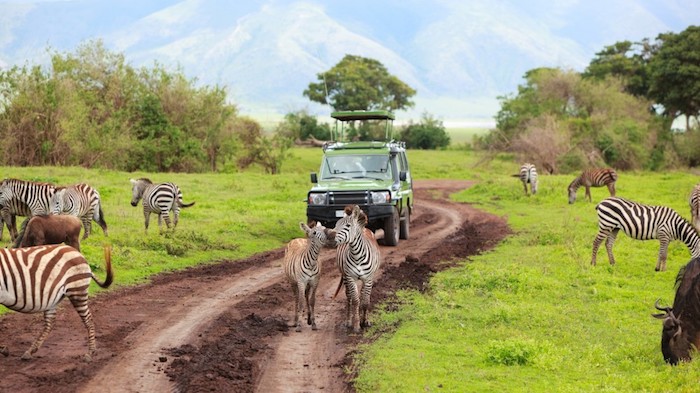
x: 528, y: 174
x: 597, y: 177
x: 303, y: 270
x: 358, y: 258
x: 36, y: 279
x: 642, y: 222
x: 159, y: 199
x: 82, y: 201
x: 695, y: 206
x: 9, y: 213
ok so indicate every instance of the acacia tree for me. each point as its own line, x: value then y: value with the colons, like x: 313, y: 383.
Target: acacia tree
x: 626, y: 60
x: 359, y: 83
x: 675, y: 74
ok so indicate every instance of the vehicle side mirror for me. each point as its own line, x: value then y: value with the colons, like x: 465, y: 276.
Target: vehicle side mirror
x: 402, y: 175
x: 314, y: 177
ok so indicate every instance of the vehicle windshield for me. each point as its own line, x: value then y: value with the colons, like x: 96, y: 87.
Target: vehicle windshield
x: 356, y: 167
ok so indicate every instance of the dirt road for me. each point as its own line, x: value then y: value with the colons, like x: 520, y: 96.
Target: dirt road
x: 225, y: 327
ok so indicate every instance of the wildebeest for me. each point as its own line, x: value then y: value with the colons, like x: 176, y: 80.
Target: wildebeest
x: 681, y: 325
x: 49, y: 229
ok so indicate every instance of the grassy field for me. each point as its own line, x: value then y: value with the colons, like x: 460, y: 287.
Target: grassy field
x: 530, y: 315
x: 533, y: 314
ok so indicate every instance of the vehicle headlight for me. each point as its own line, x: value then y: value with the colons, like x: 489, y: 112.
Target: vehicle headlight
x: 380, y: 196
x: 318, y: 198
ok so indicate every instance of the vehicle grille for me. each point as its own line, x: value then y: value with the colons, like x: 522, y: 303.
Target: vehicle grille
x: 343, y: 198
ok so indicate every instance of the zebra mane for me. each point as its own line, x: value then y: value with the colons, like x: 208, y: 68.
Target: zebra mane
x: 145, y: 179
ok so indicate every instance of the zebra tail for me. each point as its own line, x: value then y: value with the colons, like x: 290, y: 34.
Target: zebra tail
x: 340, y: 285
x: 179, y: 202
x: 98, y: 216
x: 108, y: 266
x: 20, y: 234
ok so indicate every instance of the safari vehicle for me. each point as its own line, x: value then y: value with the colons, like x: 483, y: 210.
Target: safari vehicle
x: 373, y: 175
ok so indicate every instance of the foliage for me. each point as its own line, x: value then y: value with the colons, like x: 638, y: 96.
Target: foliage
x: 301, y: 126
x: 429, y: 133
x: 360, y: 83
x: 269, y: 152
x: 562, y: 122
x: 627, y: 61
x: 533, y: 312
x: 675, y: 73
x: 93, y: 109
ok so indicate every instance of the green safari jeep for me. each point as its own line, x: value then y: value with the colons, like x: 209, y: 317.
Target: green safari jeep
x: 373, y: 175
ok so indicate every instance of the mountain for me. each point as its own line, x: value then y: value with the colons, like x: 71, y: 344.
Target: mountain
x: 459, y: 55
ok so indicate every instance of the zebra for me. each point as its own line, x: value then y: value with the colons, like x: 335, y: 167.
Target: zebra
x: 159, y: 199
x: 642, y: 222
x: 82, y: 201
x: 36, y: 279
x: 596, y: 177
x: 8, y: 216
x: 528, y: 174
x: 694, y: 202
x: 358, y: 258
x: 303, y: 270
x: 36, y: 195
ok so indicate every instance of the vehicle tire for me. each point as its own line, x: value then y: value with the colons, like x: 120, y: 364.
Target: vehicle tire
x: 405, y: 224
x: 391, y: 229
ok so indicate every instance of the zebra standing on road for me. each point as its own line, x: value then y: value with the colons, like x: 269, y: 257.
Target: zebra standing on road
x: 82, y: 201
x: 694, y: 202
x: 303, y: 270
x: 528, y: 174
x: 36, y: 279
x: 642, y: 222
x: 358, y: 258
x: 158, y: 198
x: 596, y: 177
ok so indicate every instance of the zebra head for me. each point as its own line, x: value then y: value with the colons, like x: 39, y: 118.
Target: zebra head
x: 350, y: 227
x: 5, y: 192
x: 317, y: 234
x: 57, y: 205
x: 137, y: 189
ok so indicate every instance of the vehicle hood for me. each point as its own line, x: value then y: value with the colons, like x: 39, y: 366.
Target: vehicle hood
x: 355, y: 184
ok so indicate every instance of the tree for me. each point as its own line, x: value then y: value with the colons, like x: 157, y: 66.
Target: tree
x: 359, y: 83
x: 428, y: 134
x: 675, y: 74
x: 627, y: 61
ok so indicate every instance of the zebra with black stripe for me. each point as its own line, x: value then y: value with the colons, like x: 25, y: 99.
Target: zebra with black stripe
x: 8, y: 215
x: 82, y: 201
x: 159, y: 199
x: 642, y: 222
x: 528, y: 175
x: 358, y: 258
x: 36, y: 279
x: 303, y: 270
x: 694, y: 202
x: 35, y: 195
x: 595, y: 177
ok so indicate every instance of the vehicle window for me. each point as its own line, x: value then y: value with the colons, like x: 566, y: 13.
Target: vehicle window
x: 350, y: 166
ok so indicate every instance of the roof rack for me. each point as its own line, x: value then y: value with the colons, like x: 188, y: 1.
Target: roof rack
x: 343, y: 117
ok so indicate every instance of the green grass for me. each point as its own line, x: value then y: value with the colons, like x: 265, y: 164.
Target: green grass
x: 532, y: 314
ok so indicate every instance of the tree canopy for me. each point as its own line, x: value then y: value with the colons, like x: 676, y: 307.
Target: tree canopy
x: 359, y: 83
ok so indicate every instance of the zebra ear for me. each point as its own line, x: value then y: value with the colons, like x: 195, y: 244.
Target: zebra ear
x: 132, y: 181
x: 304, y: 227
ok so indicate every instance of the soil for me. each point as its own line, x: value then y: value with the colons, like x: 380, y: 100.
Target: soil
x: 226, y: 326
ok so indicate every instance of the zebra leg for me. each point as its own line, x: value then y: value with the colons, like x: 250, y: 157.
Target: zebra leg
x: 86, y: 227
x: 611, y: 188
x: 165, y: 217
x: 147, y: 218
x: 588, y: 194
x: 311, y: 304
x: 609, y: 245
x: 298, y: 288
x: 364, y: 303
x: 663, y: 253
x: 602, y: 235
x: 49, y: 318
x: 353, y: 305
x: 79, y: 302
x: 176, y: 217
x: 525, y: 186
